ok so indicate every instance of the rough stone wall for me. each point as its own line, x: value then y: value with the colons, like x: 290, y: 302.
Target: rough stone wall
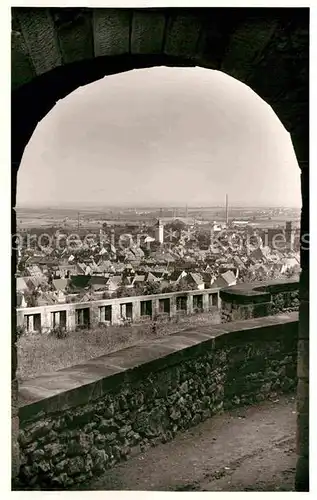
x: 285, y: 302
x: 64, y: 449
x: 15, y: 462
x: 248, y: 44
x: 236, y: 312
x: 281, y: 302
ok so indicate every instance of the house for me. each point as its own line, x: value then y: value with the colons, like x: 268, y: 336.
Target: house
x: 94, y: 268
x: 65, y: 270
x: 20, y: 300
x: 291, y: 263
x: 87, y: 297
x: 103, y: 251
x: 80, y: 268
x: 34, y: 270
x: 259, y: 255
x: 34, y: 282
x: 128, y: 255
x: 224, y: 280
x: 46, y: 299
x: 196, y: 279
x: 21, y: 285
x: 79, y: 282
x: 151, y: 278
x: 158, y: 274
x: 60, y: 296
x: 98, y: 283
x: 149, y: 239
x: 259, y: 269
x: 239, y: 263
x: 208, y: 278
x: 118, y: 267
x: 88, y: 270
x: 105, y: 266
x: 176, y: 276
x: 139, y: 279
x: 138, y: 252
x: 114, y: 283
x: 60, y: 284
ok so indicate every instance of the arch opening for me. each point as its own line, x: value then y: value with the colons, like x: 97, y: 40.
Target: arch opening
x: 166, y: 144
x: 249, y: 46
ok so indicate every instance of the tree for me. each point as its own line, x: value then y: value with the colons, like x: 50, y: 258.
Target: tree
x: 31, y: 297
x: 177, y: 225
x: 184, y: 286
x: 152, y: 288
x: 123, y: 291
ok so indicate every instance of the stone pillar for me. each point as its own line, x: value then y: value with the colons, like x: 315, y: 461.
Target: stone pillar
x: 102, y: 316
x: 57, y: 318
x: 31, y: 323
x: 189, y: 308
x: 155, y: 307
x: 219, y: 301
x: 173, y: 310
x: 205, y: 302
x: 46, y: 320
x: 20, y: 318
x: 123, y: 309
x: 116, y: 313
x: 94, y: 314
x: 71, y: 318
x: 136, y: 310
x: 302, y: 441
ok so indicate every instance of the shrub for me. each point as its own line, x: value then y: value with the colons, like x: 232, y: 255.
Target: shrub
x: 102, y: 325
x: 59, y: 332
x: 20, y: 330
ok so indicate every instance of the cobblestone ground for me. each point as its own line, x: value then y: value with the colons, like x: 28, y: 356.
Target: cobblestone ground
x: 249, y: 449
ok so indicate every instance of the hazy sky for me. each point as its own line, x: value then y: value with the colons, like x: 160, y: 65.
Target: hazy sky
x: 160, y: 136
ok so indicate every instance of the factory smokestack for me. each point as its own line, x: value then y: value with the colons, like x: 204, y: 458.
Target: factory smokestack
x: 227, y: 210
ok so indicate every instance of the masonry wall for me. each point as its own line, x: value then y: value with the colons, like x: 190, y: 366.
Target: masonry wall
x: 85, y: 419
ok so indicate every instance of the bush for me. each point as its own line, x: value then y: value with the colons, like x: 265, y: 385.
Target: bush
x: 59, y: 332
x: 102, y: 325
x: 20, y: 331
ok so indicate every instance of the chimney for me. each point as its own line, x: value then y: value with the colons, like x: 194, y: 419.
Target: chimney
x: 227, y: 211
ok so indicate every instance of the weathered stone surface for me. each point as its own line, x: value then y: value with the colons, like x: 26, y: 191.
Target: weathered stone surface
x: 40, y: 37
x: 303, y: 359
x: 75, y: 35
x: 147, y: 32
x: 304, y: 320
x: 244, y: 371
x: 182, y: 36
x: 242, y: 53
x: 111, y: 31
x: 242, y: 41
x: 22, y: 67
x: 235, y: 308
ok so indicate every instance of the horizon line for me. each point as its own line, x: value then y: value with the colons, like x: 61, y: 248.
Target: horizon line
x: 152, y: 206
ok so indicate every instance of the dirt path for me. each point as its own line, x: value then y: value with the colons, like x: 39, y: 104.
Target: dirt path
x: 250, y: 449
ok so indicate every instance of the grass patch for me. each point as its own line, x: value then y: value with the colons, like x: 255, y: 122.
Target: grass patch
x: 40, y: 353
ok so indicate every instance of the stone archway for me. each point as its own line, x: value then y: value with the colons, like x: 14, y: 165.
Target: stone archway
x: 54, y: 51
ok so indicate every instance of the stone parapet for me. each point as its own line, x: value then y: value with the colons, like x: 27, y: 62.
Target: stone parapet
x: 258, y: 299
x: 77, y: 422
